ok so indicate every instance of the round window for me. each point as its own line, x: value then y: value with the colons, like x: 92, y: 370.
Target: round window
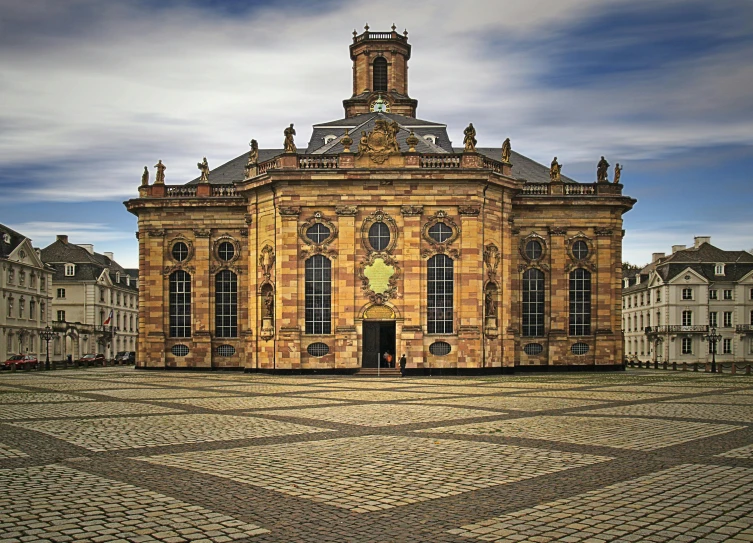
x: 179, y: 350
x: 580, y: 250
x: 579, y: 348
x: 379, y: 236
x: 440, y: 232
x: 225, y: 350
x: 317, y: 349
x: 533, y: 349
x: 180, y: 251
x: 440, y: 348
x: 318, y: 233
x: 533, y: 249
x: 226, y: 251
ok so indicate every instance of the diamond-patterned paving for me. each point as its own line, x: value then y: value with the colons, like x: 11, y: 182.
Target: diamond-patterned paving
x: 118, y: 455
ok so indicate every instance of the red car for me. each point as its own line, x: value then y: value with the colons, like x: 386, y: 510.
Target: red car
x: 92, y: 359
x: 22, y: 361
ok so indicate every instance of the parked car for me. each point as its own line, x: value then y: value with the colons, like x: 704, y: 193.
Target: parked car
x: 125, y: 357
x: 22, y: 361
x: 92, y: 358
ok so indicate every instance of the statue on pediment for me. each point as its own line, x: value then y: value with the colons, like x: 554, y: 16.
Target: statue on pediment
x: 617, y: 172
x: 506, y: 151
x: 290, y: 139
x: 380, y: 143
x: 204, y: 169
x: 555, y: 170
x: 602, y: 171
x: 469, y: 139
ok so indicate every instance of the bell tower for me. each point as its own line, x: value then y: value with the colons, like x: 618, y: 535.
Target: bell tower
x: 380, y: 74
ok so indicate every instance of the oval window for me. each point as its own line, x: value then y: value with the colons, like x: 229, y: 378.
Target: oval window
x: 440, y: 348
x: 379, y: 236
x: 532, y: 349
x: 579, y: 348
x: 440, y: 232
x: 226, y: 251
x: 180, y: 251
x: 179, y: 350
x: 533, y: 250
x: 225, y: 350
x: 318, y: 233
x: 317, y: 349
x: 580, y: 250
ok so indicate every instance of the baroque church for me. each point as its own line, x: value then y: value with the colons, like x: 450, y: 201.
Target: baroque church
x: 378, y: 236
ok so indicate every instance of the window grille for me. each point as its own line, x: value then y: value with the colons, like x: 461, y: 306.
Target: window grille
x: 318, y: 349
x: 179, y: 350
x: 687, y: 318
x: 440, y: 232
x: 225, y: 350
x: 533, y: 250
x: 379, y: 236
x: 318, y: 233
x: 226, y: 251
x: 318, y: 298
x: 180, y: 251
x: 532, y: 349
x: 580, y: 302
x: 579, y: 348
x: 440, y: 284
x: 226, y: 304
x: 533, y: 303
x: 440, y: 348
x: 580, y: 250
x: 687, y: 345
x: 180, y: 304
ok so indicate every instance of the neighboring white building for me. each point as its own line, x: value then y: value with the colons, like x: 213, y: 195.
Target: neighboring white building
x: 25, y: 296
x: 670, y: 305
x: 89, y: 288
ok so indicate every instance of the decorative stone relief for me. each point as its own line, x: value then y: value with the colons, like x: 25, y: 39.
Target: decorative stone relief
x: 412, y: 210
x: 603, y: 232
x: 436, y: 247
x: 201, y: 233
x: 575, y: 262
x: 226, y: 239
x: 310, y: 247
x: 469, y: 210
x: 557, y: 231
x: 155, y: 233
x: 379, y: 273
x: 491, y: 259
x: 290, y: 211
x: 267, y: 261
x: 346, y: 211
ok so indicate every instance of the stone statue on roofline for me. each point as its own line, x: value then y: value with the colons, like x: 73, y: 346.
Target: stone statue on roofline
x: 469, y: 139
x: 204, y: 169
x: 555, y: 171
x: 290, y: 139
x: 617, y: 172
x: 160, y: 178
x: 602, y: 171
x: 506, y: 150
x: 253, y: 159
x: 145, y: 177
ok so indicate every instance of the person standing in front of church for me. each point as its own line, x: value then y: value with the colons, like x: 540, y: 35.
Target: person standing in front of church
x: 403, y: 362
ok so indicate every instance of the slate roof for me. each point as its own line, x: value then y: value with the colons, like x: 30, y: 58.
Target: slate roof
x: 6, y: 248
x: 88, y: 266
x: 523, y: 168
x: 703, y: 260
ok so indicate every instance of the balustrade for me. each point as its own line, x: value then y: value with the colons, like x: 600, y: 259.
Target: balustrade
x: 181, y: 191
x: 440, y: 161
x: 572, y: 189
x: 535, y: 189
x: 317, y: 162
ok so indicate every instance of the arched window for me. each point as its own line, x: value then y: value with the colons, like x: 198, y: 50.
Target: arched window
x: 440, y: 283
x: 533, y: 303
x: 580, y: 302
x: 380, y: 74
x: 226, y: 304
x: 180, y: 304
x: 318, y: 295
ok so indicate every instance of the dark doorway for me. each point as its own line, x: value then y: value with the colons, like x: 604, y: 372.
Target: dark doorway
x: 378, y: 338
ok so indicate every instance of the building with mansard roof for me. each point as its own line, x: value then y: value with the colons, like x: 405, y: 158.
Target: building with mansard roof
x: 24, y: 294
x: 94, y: 301
x: 379, y: 236
x: 670, y: 306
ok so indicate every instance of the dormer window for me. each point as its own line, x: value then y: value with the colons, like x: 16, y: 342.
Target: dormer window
x: 6, y: 238
x: 117, y: 277
x: 328, y: 138
x: 431, y: 139
x: 128, y: 280
x: 70, y: 270
x: 719, y: 269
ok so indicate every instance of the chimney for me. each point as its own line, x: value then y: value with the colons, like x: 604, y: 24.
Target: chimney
x: 88, y: 247
x: 676, y: 248
x: 109, y: 255
x: 656, y: 256
x: 64, y: 239
x: 698, y: 240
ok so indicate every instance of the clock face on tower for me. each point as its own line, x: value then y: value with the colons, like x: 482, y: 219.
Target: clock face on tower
x: 380, y: 105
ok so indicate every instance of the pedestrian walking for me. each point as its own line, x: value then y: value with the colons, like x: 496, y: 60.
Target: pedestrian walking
x: 403, y: 362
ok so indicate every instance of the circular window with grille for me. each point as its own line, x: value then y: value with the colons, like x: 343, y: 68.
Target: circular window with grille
x: 180, y: 251
x: 317, y: 349
x: 440, y: 232
x: 225, y: 350
x: 379, y: 236
x: 318, y: 233
x: 579, y: 348
x: 440, y: 348
x: 226, y: 251
x: 179, y: 350
x: 533, y: 250
x: 533, y: 349
x: 580, y: 250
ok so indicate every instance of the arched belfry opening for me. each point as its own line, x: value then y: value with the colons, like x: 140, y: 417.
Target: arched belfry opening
x: 380, y: 74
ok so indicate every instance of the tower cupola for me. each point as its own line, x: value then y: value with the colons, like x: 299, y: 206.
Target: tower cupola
x: 380, y: 74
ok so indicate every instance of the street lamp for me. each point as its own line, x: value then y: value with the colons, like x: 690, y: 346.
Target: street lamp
x: 713, y: 338
x: 47, y: 334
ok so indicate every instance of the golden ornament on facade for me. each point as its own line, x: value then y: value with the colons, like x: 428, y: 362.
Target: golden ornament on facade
x: 381, y: 143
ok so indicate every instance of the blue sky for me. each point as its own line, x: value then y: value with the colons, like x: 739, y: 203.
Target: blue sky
x: 93, y: 90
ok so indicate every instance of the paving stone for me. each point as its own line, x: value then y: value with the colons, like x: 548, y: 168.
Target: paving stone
x: 682, y: 410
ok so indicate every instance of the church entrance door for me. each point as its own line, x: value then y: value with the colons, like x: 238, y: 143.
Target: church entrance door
x: 378, y: 338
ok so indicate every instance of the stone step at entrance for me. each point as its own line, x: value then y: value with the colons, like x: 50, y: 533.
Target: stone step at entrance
x: 383, y: 372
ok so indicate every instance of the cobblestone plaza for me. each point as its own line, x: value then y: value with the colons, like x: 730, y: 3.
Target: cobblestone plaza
x: 119, y: 455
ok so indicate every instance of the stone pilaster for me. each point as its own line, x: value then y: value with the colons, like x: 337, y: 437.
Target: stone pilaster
x: 287, y: 266
x: 413, y: 286
x: 202, y: 302
x: 344, y: 294
x: 469, y: 287
x: 558, y: 289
